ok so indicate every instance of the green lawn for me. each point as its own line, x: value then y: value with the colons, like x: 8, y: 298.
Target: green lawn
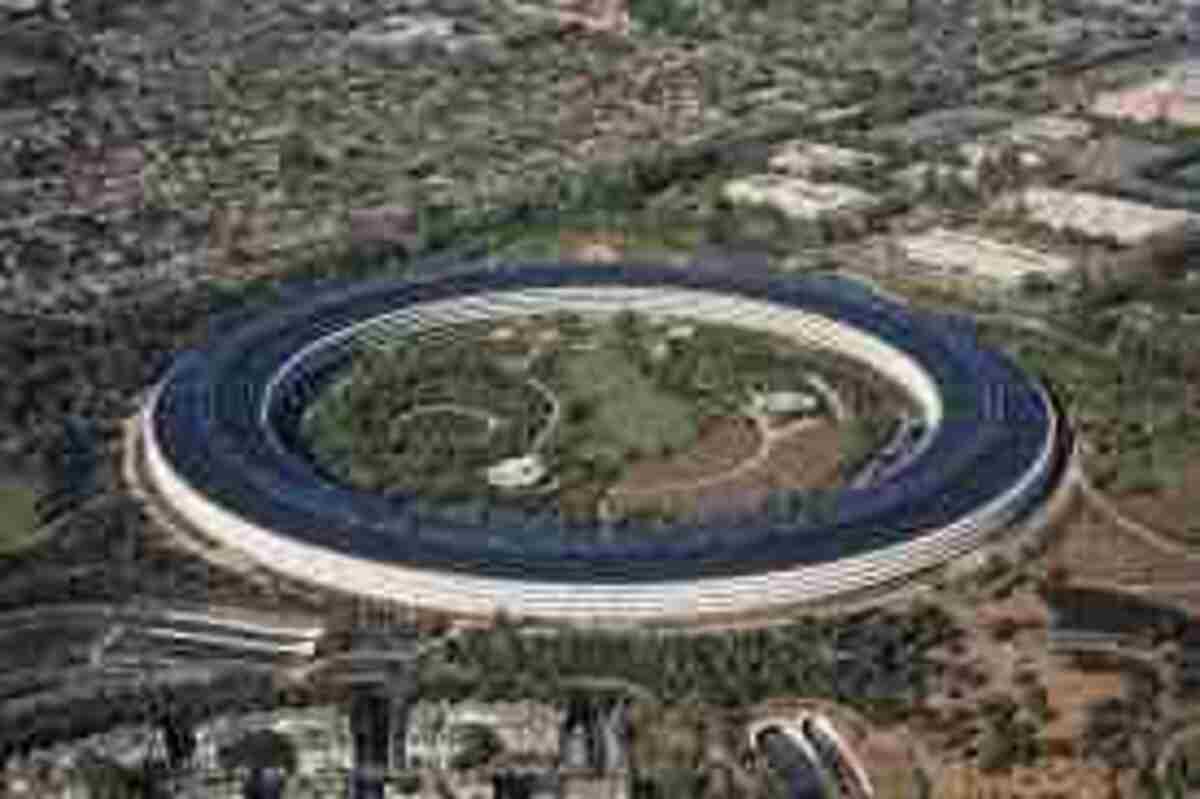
x: 18, y: 516
x: 629, y: 414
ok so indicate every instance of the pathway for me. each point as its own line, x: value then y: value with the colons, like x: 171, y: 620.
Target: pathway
x: 766, y: 439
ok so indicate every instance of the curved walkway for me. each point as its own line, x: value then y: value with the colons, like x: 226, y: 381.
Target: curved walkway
x: 491, y: 419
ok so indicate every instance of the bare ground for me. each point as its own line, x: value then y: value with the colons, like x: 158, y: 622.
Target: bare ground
x: 721, y: 472
x: 1059, y: 777
x: 1093, y: 550
x: 1175, y: 511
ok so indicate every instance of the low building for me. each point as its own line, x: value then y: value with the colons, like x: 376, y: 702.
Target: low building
x: 520, y: 472
x: 797, y: 198
x: 805, y: 159
x: 980, y: 262
x: 1095, y: 216
x: 1036, y: 140
x: 1048, y: 130
x: 1174, y: 98
x: 785, y: 403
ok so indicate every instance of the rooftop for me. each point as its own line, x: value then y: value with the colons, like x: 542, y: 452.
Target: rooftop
x: 1097, y: 215
x: 800, y: 158
x: 970, y: 254
x: 795, y: 197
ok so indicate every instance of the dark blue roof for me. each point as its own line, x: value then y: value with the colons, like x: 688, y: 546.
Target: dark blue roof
x: 798, y: 771
x: 208, y: 424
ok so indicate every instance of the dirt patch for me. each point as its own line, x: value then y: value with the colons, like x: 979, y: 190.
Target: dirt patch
x: 1093, y: 550
x: 721, y: 446
x: 719, y: 474
x: 1070, y: 692
x: 1174, y: 511
x: 805, y: 459
x: 890, y: 763
x: 1056, y: 777
x: 600, y: 246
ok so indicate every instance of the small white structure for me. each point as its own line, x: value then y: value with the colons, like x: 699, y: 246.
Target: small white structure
x: 522, y: 471
x: 679, y: 332
x: 782, y: 403
x: 797, y: 198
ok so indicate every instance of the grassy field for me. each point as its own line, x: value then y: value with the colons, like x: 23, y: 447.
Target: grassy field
x: 623, y: 410
x: 18, y: 516
x: 628, y: 413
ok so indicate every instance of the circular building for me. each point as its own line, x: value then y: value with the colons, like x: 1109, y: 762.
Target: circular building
x: 221, y: 445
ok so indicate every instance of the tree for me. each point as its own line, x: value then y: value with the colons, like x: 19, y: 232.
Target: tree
x: 1036, y: 284
x: 475, y: 745
x: 259, y: 749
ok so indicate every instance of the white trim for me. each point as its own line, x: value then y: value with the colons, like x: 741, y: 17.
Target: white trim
x: 604, y: 602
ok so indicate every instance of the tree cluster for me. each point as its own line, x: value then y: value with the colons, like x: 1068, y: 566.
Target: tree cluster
x: 877, y: 661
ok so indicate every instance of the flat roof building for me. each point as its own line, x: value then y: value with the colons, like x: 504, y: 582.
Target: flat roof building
x: 804, y: 158
x: 965, y: 255
x: 1174, y: 98
x: 797, y: 198
x: 1095, y: 215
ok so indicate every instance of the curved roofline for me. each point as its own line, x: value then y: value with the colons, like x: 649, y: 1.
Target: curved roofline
x: 207, y: 422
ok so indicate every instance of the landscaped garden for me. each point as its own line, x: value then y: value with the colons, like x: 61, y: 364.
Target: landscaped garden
x: 592, y: 418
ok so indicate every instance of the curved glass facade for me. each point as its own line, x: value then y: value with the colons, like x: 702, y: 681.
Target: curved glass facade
x: 225, y: 422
